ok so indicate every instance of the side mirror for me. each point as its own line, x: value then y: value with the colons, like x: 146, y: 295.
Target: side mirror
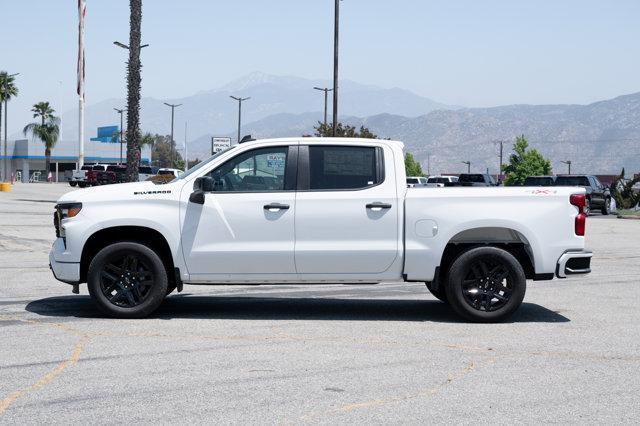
x: 201, y: 186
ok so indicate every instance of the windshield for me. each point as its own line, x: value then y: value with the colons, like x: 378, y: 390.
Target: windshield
x: 572, y: 181
x: 472, y: 178
x: 538, y: 181
x: 438, y: 180
x: 203, y: 163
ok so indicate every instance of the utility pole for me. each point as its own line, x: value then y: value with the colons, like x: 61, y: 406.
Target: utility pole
x: 120, y: 111
x: 568, y: 163
x: 173, y: 108
x: 186, y: 153
x: 335, y: 66
x: 428, y: 164
x: 239, y: 112
x: 500, y: 166
x: 468, y: 163
x: 325, y: 90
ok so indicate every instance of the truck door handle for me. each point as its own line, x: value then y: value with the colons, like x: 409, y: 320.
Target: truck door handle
x: 276, y: 207
x: 378, y: 206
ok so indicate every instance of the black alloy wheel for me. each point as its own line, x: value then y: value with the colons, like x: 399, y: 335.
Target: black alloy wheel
x: 127, y: 280
x: 486, y: 284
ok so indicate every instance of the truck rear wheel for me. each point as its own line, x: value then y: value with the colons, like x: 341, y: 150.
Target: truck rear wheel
x: 82, y: 184
x: 73, y: 183
x: 127, y: 280
x: 486, y: 284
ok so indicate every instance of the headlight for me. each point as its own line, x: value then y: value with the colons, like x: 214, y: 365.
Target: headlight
x: 68, y: 210
x: 64, y: 211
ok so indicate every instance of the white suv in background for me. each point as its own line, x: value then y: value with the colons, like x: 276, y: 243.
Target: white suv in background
x: 416, y: 181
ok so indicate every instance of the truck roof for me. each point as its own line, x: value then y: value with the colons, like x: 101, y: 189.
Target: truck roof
x: 318, y: 140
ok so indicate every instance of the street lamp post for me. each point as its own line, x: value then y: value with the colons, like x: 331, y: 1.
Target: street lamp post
x: 239, y: 112
x: 120, y: 111
x: 5, y: 159
x: 568, y: 163
x: 173, y: 107
x: 325, y: 90
x: 336, y: 23
x: 468, y: 163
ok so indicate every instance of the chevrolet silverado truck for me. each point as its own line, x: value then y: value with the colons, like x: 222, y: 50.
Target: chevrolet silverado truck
x: 315, y: 211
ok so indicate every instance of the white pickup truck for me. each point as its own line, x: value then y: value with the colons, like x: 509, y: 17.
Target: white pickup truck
x: 315, y: 210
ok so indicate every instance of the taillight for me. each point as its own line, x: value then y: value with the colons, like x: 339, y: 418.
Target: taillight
x: 579, y: 200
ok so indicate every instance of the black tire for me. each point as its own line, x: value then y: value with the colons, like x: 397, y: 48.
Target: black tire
x: 438, y: 292
x: 127, y: 280
x: 587, y: 207
x: 486, y: 284
x: 82, y: 184
x: 73, y: 183
x: 606, y: 209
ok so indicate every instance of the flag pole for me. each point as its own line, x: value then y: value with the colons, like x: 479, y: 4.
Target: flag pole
x: 81, y: 13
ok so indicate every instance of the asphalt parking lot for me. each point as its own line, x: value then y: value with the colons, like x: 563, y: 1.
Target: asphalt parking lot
x: 389, y: 353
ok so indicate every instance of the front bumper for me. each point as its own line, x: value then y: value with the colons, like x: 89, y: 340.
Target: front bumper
x: 67, y: 272
x: 574, y: 263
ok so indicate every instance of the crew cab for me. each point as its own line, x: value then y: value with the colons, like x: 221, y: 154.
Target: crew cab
x: 315, y: 210
x: 115, y: 173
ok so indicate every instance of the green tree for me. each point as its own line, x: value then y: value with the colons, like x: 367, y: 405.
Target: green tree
x: 524, y: 162
x: 133, y: 90
x: 411, y: 166
x: 161, y: 151
x: 48, y: 132
x: 8, y: 90
x: 343, y: 131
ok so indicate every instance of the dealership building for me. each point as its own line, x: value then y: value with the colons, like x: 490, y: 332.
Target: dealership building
x: 27, y: 161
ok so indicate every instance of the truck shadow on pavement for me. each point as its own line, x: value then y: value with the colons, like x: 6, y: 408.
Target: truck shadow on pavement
x: 288, y: 308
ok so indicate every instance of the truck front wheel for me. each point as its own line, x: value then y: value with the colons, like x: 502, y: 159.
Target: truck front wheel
x: 72, y: 183
x: 486, y: 284
x: 127, y: 280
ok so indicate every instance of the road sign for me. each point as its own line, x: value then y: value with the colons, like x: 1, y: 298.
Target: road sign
x: 219, y: 144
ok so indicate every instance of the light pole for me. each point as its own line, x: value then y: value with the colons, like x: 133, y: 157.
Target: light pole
x: 239, y: 112
x: 568, y: 163
x: 325, y: 90
x: 336, y: 23
x: 120, y: 111
x: 173, y: 107
x: 468, y: 163
x: 5, y: 160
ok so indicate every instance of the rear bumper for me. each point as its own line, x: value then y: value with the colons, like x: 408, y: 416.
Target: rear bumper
x: 574, y: 263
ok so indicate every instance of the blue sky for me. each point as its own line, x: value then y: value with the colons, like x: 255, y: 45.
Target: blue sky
x: 470, y: 53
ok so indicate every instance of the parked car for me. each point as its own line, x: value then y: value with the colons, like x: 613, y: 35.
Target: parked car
x: 416, y: 181
x: 145, y: 172
x: 474, y: 179
x: 539, y: 181
x: 598, y: 196
x: 114, y: 174
x: 169, y: 171
x: 441, y: 181
x: 86, y: 175
x: 344, y: 216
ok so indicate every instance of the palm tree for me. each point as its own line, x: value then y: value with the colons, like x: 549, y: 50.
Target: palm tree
x: 48, y: 132
x: 133, y: 91
x: 42, y: 110
x: 8, y: 90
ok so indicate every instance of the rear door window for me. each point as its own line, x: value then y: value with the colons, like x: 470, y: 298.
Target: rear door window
x: 344, y: 167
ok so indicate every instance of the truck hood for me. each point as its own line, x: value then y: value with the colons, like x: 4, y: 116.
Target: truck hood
x: 121, y: 192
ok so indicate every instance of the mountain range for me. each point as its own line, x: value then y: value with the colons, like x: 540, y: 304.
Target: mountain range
x: 601, y: 137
